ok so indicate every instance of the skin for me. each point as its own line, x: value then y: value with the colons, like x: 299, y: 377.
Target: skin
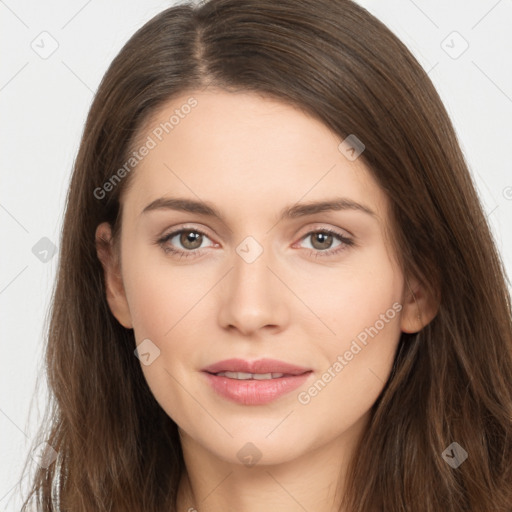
x: 252, y: 156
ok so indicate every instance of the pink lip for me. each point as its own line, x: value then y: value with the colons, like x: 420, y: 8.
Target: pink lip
x: 259, y: 366
x: 252, y: 391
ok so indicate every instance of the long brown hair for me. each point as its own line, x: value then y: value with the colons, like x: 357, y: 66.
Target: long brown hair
x: 451, y: 382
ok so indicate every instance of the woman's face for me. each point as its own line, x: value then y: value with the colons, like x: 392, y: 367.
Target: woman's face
x: 262, y: 280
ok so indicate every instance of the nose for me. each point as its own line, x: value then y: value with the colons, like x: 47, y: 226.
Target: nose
x: 253, y: 297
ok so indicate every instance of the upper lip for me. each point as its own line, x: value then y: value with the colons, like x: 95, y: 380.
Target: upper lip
x: 258, y: 366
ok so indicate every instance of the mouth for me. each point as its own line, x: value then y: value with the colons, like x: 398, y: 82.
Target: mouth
x: 255, y: 383
x: 253, y: 376
x: 261, y: 368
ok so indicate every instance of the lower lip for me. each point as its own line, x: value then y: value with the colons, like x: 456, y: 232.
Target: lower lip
x: 255, y: 392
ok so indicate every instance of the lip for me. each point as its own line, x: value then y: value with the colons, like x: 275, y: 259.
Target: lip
x: 252, y: 391
x: 259, y: 366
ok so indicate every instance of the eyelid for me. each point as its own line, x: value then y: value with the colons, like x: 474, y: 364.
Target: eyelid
x: 176, y: 231
x: 345, y: 241
x: 315, y: 228
x: 186, y: 227
x: 325, y: 227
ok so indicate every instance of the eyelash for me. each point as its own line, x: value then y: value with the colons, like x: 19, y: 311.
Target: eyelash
x: 345, y: 242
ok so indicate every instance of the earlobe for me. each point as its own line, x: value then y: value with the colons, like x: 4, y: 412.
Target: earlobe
x: 419, y: 308
x: 115, y: 293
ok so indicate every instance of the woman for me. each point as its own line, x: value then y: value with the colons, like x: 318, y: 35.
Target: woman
x: 277, y: 287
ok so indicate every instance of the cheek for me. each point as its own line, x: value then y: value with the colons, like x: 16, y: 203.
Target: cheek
x: 354, y: 376
x: 167, y: 307
x: 354, y: 297
x: 364, y: 310
x: 162, y: 295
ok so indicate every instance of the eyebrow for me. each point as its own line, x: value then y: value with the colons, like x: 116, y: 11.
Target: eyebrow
x: 289, y: 212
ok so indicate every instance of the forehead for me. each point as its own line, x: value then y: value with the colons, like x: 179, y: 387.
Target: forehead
x: 255, y: 152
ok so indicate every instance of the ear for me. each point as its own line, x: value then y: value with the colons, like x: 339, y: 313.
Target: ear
x: 419, y: 307
x: 116, y: 296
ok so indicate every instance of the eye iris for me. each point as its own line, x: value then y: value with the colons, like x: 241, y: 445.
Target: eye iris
x: 190, y: 236
x: 326, y: 238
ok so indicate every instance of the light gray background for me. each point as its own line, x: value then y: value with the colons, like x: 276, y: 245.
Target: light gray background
x: 44, y: 102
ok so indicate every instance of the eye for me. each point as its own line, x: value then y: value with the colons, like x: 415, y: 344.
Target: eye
x: 190, y: 239
x: 322, y: 240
